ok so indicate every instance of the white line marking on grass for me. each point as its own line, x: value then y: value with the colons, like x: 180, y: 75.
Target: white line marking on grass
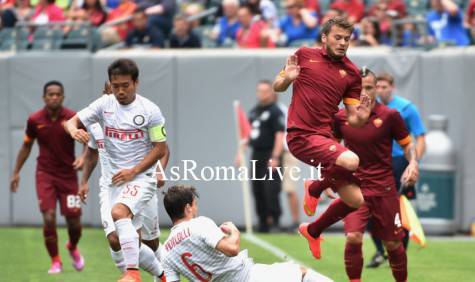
x: 272, y: 249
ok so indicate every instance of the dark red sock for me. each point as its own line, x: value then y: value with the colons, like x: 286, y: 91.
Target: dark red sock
x: 353, y: 261
x: 317, y: 187
x: 336, y: 211
x: 398, y: 263
x: 334, y: 177
x: 74, y: 232
x: 51, y: 240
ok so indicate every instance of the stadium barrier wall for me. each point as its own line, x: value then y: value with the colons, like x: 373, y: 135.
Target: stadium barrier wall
x: 195, y: 91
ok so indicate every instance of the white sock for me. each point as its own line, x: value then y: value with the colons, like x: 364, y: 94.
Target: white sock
x: 129, y: 242
x: 148, y: 261
x: 118, y: 259
x: 158, y: 253
x: 312, y: 276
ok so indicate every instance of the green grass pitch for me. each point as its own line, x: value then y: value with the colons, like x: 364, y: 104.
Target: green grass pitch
x: 24, y: 258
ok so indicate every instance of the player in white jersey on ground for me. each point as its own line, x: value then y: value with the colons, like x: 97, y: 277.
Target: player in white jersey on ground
x: 201, y: 251
x: 149, y: 252
x: 135, y: 139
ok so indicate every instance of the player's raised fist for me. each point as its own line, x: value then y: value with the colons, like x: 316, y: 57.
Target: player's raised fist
x: 80, y: 135
x: 14, y: 181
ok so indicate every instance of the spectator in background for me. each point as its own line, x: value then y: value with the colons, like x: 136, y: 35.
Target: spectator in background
x: 470, y: 19
x: 117, y: 33
x: 299, y: 23
x: 144, y: 34
x: 396, y: 8
x: 253, y: 32
x: 385, y: 21
x: 226, y: 27
x: 368, y: 33
x: 353, y: 8
x: 183, y: 36
x: 46, y: 11
x: 160, y: 13
x: 313, y: 5
x: 110, y: 4
x: 20, y: 12
x: 266, y: 9
x: 191, y: 10
x: 91, y: 11
x: 445, y: 24
x: 6, y: 4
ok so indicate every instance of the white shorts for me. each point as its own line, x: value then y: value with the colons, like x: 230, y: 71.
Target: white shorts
x: 141, y: 198
x: 282, y: 272
x: 277, y: 272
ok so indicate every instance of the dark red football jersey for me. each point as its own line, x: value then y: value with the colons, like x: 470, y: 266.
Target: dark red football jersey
x: 56, y: 146
x: 318, y: 90
x: 373, y: 144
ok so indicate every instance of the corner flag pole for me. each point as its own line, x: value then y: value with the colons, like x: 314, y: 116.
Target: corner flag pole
x: 244, y: 183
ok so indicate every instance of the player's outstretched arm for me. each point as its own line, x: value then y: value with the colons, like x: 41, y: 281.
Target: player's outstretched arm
x: 230, y: 245
x: 90, y: 161
x: 288, y: 75
x: 411, y: 173
x: 126, y: 175
x: 74, y: 128
x: 23, y: 154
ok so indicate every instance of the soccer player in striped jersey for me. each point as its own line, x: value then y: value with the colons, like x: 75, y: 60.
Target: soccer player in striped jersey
x: 201, y: 251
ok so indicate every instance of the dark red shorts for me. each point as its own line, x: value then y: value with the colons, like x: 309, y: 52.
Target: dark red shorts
x: 385, y: 215
x: 314, y: 149
x: 51, y: 188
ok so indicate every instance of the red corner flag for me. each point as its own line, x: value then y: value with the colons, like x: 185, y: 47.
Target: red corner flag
x: 242, y: 121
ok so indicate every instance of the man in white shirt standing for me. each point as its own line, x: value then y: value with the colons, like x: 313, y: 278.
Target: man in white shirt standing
x: 201, y: 251
x: 135, y: 139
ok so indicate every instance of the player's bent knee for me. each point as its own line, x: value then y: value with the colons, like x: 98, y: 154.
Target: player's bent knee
x: 49, y: 217
x: 152, y: 244
x: 392, y: 245
x: 120, y: 211
x: 354, y: 238
x: 348, y: 160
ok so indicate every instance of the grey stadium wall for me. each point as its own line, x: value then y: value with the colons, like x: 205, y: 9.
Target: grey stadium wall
x: 195, y: 91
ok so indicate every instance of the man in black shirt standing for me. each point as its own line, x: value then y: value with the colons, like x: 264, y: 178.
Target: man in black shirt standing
x: 266, y: 141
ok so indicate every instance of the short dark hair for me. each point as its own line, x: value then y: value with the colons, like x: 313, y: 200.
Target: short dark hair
x: 124, y: 67
x: 265, y: 81
x: 385, y: 77
x: 176, y: 198
x: 337, y: 21
x: 52, y: 82
x: 365, y: 72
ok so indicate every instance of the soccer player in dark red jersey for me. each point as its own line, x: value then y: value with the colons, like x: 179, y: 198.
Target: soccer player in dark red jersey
x: 373, y: 143
x: 322, y: 78
x: 56, y: 177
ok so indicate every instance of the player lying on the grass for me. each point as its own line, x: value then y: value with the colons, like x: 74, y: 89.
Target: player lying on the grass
x: 134, y: 138
x: 373, y: 144
x: 322, y: 78
x: 201, y: 251
x: 56, y: 178
x: 149, y: 252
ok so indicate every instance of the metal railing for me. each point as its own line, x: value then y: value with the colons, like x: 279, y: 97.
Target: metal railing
x: 28, y: 29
